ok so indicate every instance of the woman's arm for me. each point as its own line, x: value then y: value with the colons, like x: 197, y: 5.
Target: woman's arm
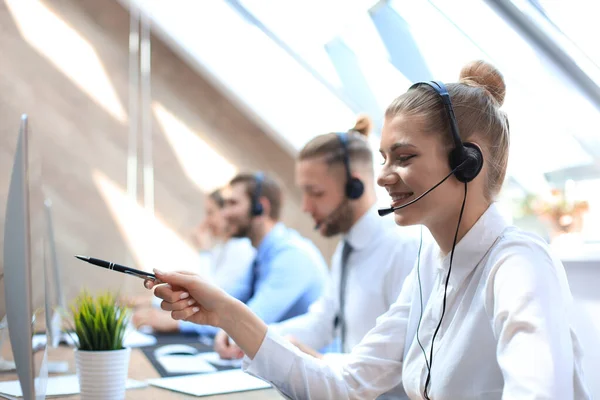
x: 191, y: 298
x: 374, y: 367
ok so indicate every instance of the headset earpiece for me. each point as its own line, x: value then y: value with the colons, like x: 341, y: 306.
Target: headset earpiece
x: 256, y: 206
x: 471, y: 158
x: 354, y: 188
x: 257, y: 210
x: 467, y: 154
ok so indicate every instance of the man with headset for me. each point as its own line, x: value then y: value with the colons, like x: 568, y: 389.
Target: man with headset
x: 335, y: 173
x: 288, y: 273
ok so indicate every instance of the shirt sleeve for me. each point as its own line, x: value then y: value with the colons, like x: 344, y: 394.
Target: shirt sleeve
x: 235, y: 265
x: 315, y: 328
x: 205, y: 263
x: 289, y: 276
x: 530, y: 321
x: 232, y: 275
x: 374, y: 366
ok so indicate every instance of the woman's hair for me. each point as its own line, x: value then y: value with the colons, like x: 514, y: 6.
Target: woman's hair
x: 329, y: 147
x: 476, y: 100
x: 217, y: 197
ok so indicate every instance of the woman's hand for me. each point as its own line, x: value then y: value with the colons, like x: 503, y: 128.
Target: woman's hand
x: 227, y: 348
x: 189, y: 297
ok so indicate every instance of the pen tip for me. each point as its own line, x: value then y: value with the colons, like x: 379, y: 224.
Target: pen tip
x: 83, y: 258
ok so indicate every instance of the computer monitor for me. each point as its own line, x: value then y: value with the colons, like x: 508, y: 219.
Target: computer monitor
x: 55, y: 297
x: 20, y: 237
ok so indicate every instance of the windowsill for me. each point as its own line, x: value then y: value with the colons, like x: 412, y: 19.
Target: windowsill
x: 572, y: 250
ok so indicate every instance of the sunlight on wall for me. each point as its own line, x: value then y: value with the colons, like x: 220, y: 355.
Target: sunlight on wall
x: 200, y: 162
x: 152, y: 243
x: 68, y: 51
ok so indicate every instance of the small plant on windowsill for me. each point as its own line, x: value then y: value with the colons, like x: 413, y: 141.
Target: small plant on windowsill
x: 99, y: 324
x: 564, y: 215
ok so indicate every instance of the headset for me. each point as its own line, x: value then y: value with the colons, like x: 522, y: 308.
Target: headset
x: 256, y: 209
x: 466, y: 161
x: 466, y: 158
x: 354, y: 188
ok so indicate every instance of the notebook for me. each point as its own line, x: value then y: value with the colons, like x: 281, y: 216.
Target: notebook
x: 212, y: 383
x: 65, y: 385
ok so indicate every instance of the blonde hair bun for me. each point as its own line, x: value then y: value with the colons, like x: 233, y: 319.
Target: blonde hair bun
x: 485, y: 75
x: 363, y: 125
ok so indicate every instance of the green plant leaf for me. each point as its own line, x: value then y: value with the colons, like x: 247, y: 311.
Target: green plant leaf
x: 99, y: 322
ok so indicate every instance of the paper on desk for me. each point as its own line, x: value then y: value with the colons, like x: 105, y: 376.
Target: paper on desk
x: 215, y: 359
x: 39, y: 340
x: 57, y: 386
x: 134, y: 338
x: 211, y: 384
x: 177, y: 364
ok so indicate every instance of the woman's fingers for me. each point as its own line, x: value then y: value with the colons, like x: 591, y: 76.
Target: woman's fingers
x: 185, y: 313
x: 178, y: 305
x: 149, y: 283
x: 170, y: 294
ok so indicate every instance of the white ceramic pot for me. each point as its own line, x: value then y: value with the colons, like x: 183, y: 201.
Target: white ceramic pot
x: 102, y: 374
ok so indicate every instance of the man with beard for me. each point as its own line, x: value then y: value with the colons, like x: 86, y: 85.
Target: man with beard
x: 288, y: 273
x: 335, y: 173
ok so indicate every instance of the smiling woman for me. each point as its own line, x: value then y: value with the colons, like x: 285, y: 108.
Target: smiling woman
x: 504, y: 313
x: 417, y: 134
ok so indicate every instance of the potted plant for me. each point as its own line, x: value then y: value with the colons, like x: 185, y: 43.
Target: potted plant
x: 564, y: 215
x: 102, y: 362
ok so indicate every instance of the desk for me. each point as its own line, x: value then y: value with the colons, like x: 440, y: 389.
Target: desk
x: 141, y: 369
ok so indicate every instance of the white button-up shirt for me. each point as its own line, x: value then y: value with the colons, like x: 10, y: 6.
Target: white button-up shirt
x: 506, y: 333
x: 382, y: 256
x: 228, y: 263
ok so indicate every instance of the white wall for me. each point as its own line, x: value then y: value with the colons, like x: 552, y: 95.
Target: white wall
x: 584, y: 279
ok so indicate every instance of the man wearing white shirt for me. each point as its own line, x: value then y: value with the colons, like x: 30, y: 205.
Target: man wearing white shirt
x: 223, y: 259
x: 372, y: 260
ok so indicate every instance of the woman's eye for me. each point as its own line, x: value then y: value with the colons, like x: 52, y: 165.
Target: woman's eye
x: 404, y: 158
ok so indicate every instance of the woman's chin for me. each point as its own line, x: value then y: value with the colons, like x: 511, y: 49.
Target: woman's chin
x: 406, y: 218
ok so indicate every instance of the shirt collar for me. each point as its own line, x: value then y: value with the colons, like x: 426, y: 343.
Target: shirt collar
x: 274, y: 236
x: 473, y: 247
x: 365, y: 229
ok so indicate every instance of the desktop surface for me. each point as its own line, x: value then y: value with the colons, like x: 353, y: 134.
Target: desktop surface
x: 141, y: 369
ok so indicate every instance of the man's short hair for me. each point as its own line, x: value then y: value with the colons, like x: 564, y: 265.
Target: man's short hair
x: 270, y: 189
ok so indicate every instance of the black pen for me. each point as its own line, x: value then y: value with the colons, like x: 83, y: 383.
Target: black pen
x: 120, y: 268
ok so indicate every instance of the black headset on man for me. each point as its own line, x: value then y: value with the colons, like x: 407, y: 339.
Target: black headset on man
x: 353, y: 188
x: 256, y: 207
x: 466, y: 161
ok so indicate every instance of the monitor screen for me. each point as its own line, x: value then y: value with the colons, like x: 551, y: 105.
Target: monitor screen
x: 24, y: 283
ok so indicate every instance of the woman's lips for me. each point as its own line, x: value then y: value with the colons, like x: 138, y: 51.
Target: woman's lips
x: 399, y: 199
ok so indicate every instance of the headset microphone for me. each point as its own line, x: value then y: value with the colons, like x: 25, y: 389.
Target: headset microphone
x: 385, y: 211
